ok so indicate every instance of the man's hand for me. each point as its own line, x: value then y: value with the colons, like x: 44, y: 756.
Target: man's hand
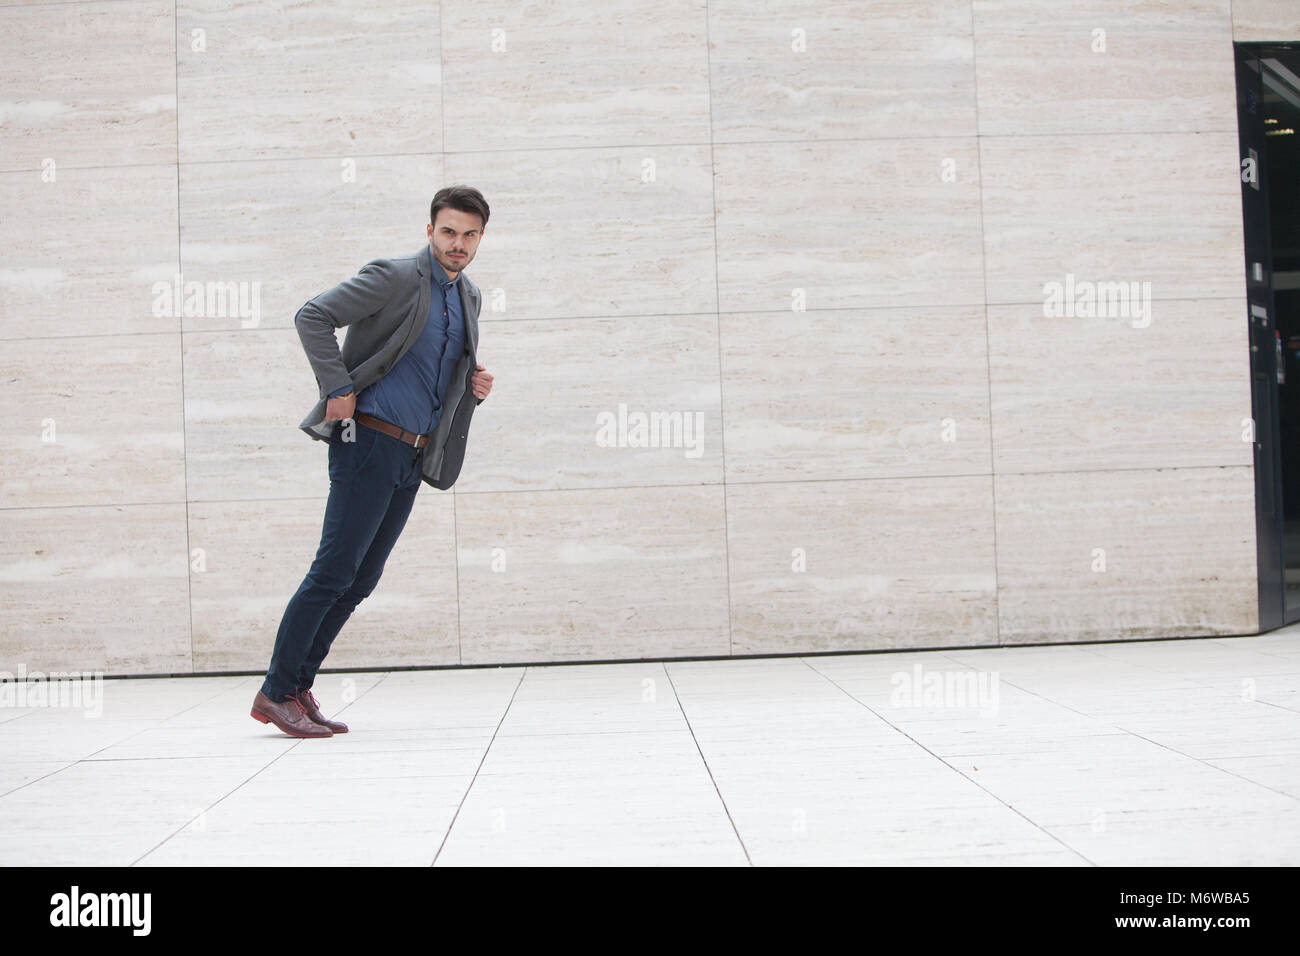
x: 342, y: 407
x: 481, y: 382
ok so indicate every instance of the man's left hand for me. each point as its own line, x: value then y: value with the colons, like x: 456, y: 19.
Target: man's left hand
x: 481, y: 382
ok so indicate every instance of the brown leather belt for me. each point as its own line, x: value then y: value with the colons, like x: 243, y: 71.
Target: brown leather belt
x: 401, y: 434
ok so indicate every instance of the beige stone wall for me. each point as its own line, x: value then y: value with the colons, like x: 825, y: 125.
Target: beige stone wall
x: 818, y: 232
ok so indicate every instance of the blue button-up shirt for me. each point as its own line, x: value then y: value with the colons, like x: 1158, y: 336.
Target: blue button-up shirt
x: 410, y: 396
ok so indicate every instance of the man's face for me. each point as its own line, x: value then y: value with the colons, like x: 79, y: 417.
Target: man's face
x: 454, y: 238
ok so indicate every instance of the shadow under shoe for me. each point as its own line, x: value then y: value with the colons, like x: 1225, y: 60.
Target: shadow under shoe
x: 288, y: 715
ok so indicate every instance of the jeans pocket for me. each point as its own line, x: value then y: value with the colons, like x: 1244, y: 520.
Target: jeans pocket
x: 347, y: 458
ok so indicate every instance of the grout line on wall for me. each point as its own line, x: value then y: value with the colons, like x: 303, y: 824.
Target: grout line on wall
x: 442, y: 146
x: 988, y: 358
x: 180, y: 268
x: 892, y: 309
x: 717, y: 325
x: 586, y: 489
x: 526, y: 148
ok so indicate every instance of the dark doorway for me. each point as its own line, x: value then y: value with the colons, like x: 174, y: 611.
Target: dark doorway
x: 1268, y: 127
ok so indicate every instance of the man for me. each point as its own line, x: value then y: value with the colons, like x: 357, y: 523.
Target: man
x: 398, y: 388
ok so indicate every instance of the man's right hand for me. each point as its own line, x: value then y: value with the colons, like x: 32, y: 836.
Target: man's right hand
x: 337, y: 409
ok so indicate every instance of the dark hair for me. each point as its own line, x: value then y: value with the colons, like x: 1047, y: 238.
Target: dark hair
x: 461, y: 198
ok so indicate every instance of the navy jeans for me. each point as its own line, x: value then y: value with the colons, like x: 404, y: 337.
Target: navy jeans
x: 373, y: 481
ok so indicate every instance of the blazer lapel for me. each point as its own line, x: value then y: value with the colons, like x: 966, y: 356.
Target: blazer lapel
x: 469, y: 306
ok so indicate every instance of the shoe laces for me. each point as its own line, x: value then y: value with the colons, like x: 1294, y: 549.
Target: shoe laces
x: 310, y: 699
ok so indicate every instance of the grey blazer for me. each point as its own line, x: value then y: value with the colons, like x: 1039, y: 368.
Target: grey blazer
x: 385, y: 306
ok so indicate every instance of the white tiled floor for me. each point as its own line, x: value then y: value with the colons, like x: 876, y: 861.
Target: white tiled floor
x: 1164, y: 752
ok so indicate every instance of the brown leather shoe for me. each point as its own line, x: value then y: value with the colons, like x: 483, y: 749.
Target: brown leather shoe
x: 288, y: 715
x: 312, y: 709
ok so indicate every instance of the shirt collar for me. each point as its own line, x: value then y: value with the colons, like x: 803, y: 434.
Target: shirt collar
x: 438, y: 272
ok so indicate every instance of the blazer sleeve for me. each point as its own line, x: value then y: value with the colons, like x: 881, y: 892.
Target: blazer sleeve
x: 350, y: 301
